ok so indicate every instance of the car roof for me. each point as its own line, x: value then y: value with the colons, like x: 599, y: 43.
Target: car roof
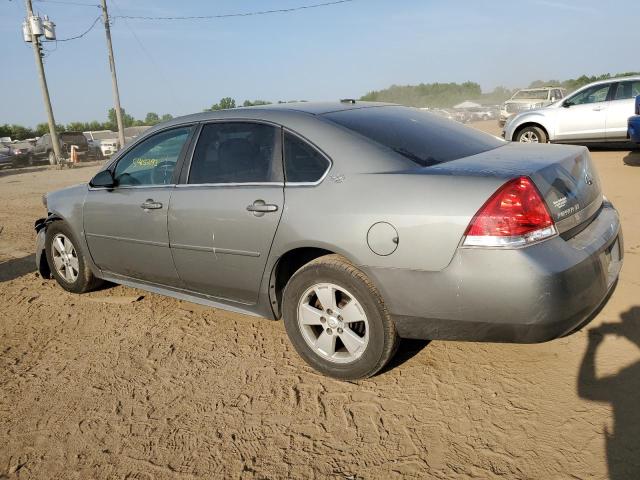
x: 279, y: 109
x: 613, y: 80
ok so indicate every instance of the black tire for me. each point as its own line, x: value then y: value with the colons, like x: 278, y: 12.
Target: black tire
x: 85, y: 280
x: 531, y: 133
x: 383, y: 338
x: 52, y: 158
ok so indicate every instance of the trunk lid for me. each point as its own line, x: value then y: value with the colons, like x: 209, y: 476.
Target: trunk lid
x: 564, y: 175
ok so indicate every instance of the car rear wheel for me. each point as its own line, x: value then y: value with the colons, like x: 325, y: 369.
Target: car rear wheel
x: 531, y: 135
x: 52, y: 158
x: 336, y: 319
x: 66, y: 261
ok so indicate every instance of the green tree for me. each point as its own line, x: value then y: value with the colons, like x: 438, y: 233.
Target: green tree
x: 127, y: 119
x: 166, y: 117
x: 249, y: 103
x: 152, y: 118
x: 224, y: 104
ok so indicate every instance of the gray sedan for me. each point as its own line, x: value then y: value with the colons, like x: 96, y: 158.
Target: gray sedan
x: 356, y: 223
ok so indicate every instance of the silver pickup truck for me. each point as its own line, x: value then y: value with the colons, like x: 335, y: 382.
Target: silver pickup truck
x: 529, y: 98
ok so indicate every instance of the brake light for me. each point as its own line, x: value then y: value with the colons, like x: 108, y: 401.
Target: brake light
x: 514, y: 216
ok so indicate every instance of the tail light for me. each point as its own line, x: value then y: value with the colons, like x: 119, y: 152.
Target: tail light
x: 514, y: 216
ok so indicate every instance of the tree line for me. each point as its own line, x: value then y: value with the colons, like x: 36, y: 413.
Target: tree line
x: 440, y: 95
x: 20, y: 132
x: 446, y: 95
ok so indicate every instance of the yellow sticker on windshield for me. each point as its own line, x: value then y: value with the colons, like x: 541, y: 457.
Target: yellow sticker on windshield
x: 146, y: 162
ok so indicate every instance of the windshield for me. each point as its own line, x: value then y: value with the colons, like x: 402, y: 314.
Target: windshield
x: 423, y: 138
x: 75, y: 138
x: 531, y: 94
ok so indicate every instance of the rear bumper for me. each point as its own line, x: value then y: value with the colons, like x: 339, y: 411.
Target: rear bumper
x: 526, y: 295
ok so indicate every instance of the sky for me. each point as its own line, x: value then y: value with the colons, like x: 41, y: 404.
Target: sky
x: 339, y: 51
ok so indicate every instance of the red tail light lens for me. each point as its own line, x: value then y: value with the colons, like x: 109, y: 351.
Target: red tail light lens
x: 515, y: 215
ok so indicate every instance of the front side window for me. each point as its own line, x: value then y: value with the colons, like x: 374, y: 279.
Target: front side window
x: 627, y: 90
x: 303, y: 163
x: 590, y: 95
x: 153, y: 161
x: 237, y: 152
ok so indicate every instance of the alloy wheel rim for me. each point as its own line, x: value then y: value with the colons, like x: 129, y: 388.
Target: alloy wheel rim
x: 65, y: 258
x: 529, y: 137
x: 333, y: 323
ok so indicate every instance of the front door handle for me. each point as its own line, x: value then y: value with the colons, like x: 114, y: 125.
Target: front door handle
x: 597, y: 109
x: 259, y: 207
x: 150, y: 204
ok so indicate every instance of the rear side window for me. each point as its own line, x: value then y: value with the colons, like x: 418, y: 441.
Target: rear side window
x: 626, y: 90
x: 237, y: 152
x: 423, y: 138
x: 303, y: 163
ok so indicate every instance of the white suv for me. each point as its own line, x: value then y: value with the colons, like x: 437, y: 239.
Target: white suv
x: 595, y: 113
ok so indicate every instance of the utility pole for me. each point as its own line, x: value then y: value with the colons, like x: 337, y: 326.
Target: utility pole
x: 35, y: 42
x: 114, y: 78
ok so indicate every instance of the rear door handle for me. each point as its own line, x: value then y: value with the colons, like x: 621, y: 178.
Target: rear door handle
x: 150, y: 204
x: 260, y: 207
x: 597, y: 109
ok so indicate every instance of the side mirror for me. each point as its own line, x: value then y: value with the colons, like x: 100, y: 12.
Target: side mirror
x: 567, y: 104
x: 103, y: 179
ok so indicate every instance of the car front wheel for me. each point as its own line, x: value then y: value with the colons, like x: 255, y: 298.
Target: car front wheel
x: 52, y: 158
x: 531, y: 135
x: 66, y: 261
x: 336, y: 319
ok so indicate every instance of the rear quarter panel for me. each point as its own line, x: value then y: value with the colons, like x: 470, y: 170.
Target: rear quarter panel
x: 429, y: 212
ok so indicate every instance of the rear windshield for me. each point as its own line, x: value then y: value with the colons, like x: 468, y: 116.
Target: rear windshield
x: 74, y: 138
x: 423, y: 138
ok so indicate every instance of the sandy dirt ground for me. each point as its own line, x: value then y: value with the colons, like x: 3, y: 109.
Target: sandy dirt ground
x: 124, y: 384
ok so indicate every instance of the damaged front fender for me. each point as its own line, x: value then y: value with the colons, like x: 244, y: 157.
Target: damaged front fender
x: 42, y: 265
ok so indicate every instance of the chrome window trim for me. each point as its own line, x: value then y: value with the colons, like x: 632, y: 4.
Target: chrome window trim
x: 234, y: 184
x: 131, y: 187
x: 315, y: 147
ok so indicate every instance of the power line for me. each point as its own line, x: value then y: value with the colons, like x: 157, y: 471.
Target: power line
x: 82, y: 34
x: 241, y: 14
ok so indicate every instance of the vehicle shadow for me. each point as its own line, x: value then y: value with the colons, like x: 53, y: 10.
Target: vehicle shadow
x: 632, y: 158
x: 407, y: 349
x: 622, y: 391
x: 16, y: 267
x: 5, y: 172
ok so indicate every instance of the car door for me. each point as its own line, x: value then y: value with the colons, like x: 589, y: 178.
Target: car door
x: 583, y: 115
x: 39, y: 149
x: 126, y: 226
x: 223, y: 218
x: 621, y: 107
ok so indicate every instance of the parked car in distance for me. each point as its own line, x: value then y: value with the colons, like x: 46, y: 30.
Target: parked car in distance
x: 15, y: 154
x: 529, y: 98
x: 104, y: 143
x: 43, y: 149
x: 633, y: 125
x: 352, y: 232
x: 596, y: 113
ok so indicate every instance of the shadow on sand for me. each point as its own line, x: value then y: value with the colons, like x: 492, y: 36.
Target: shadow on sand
x: 622, y: 391
x: 17, y: 267
x: 632, y: 158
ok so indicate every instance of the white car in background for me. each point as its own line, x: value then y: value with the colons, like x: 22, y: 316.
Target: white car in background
x: 529, y: 98
x: 596, y: 113
x: 105, y: 141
